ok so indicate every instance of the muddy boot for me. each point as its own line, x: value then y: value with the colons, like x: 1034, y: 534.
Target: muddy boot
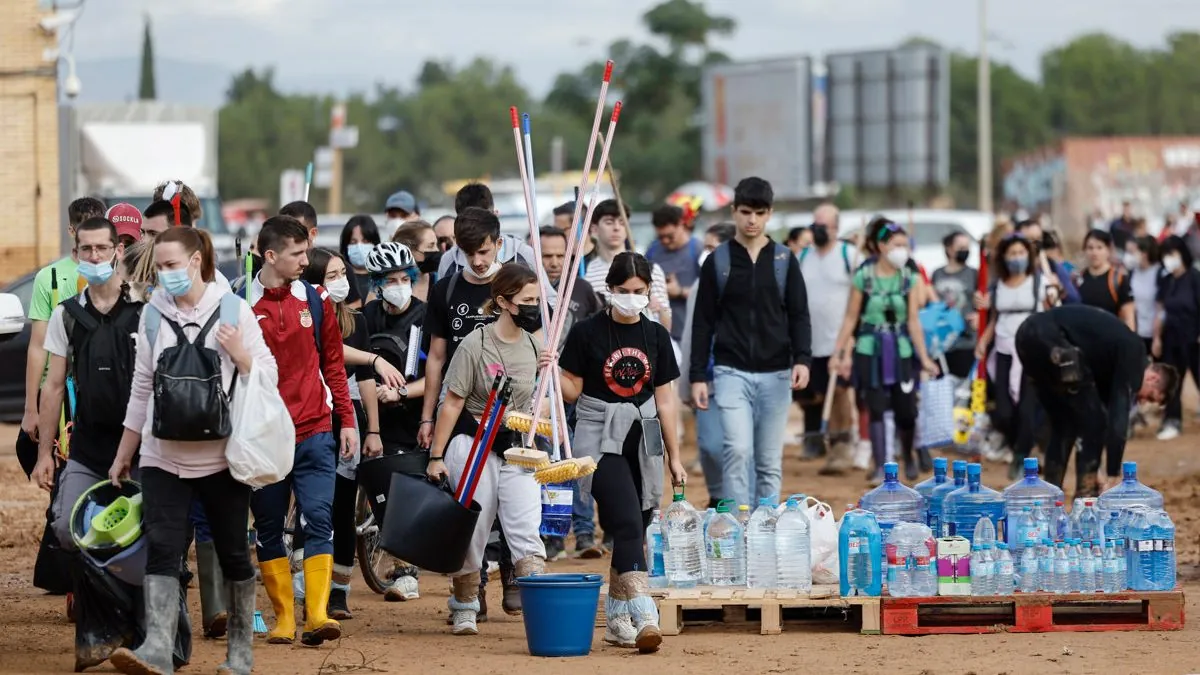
x: 840, y: 458
x: 814, y: 447
x: 239, y: 649
x: 339, y: 594
x: 318, y: 627
x: 644, y: 612
x: 212, y: 590
x: 618, y: 629
x: 510, y: 602
x: 277, y: 579
x: 464, y: 604
x: 154, y: 656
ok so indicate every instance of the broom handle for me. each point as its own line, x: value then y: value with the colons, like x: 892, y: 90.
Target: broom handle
x: 478, y: 456
x: 478, y: 434
x: 560, y: 411
x: 494, y: 426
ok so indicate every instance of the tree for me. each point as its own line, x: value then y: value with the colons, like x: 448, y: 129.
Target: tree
x: 146, y: 89
x: 1096, y: 86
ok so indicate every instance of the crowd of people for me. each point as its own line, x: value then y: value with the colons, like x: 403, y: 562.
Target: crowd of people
x: 727, y: 322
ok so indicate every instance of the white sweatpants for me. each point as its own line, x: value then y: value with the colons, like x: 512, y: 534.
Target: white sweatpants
x: 507, y: 491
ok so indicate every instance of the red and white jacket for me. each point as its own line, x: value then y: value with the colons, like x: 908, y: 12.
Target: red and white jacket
x: 287, y: 326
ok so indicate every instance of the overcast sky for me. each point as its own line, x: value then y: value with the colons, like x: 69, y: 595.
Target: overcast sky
x: 341, y: 45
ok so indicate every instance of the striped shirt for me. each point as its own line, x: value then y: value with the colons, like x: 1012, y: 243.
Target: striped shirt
x: 597, y: 270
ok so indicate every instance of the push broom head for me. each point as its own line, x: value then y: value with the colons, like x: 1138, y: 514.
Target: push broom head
x: 566, y: 470
x: 521, y: 423
x: 527, y: 458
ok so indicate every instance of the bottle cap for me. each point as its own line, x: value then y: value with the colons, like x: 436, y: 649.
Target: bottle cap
x: 1031, y: 463
x: 1026, y: 509
x: 960, y: 466
x: 939, y: 463
x: 974, y: 470
x: 722, y: 508
x: 891, y: 472
x: 677, y: 498
x: 1058, y: 502
x: 743, y: 507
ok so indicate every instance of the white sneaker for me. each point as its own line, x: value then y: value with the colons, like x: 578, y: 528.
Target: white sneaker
x: 619, y: 631
x: 403, y: 589
x: 464, y: 622
x: 862, y: 455
x: 492, y: 567
x: 1169, y: 432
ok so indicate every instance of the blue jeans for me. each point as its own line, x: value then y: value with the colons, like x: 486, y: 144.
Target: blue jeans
x: 710, y: 436
x: 312, y: 479
x: 753, y: 409
x: 200, y: 523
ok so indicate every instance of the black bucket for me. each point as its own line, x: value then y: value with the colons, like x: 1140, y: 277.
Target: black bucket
x: 375, y: 476
x: 426, y: 526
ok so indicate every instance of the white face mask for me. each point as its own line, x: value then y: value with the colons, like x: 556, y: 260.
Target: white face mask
x: 898, y: 257
x: 1172, y: 263
x: 1131, y: 260
x: 629, y: 304
x: 491, y: 271
x: 395, y: 222
x: 339, y: 289
x: 398, y: 295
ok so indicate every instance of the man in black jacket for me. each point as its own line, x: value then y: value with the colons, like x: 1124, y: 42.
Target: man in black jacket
x: 752, y: 317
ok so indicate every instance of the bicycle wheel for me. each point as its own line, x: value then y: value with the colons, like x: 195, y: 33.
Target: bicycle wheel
x: 375, y: 563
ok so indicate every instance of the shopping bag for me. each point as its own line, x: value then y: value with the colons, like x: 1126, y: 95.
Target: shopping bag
x: 823, y: 537
x: 935, y: 418
x: 262, y: 447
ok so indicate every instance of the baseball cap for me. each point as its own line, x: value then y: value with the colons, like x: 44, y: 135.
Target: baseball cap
x: 127, y: 219
x: 402, y: 200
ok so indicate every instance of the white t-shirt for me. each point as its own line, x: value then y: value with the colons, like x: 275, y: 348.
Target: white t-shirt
x: 1014, y: 305
x: 57, y: 341
x: 828, y: 285
x: 1144, y: 284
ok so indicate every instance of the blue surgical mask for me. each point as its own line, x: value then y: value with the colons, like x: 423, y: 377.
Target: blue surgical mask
x: 358, y: 253
x: 176, y: 282
x: 1016, y: 265
x: 96, y: 274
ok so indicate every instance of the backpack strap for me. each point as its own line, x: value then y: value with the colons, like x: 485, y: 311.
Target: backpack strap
x: 781, y: 258
x: 722, y: 263
x: 1115, y: 279
x: 450, y: 286
x: 846, y: 258
x: 75, y: 313
x: 153, y: 320
x: 868, y: 271
x: 316, y: 307
x: 803, y: 254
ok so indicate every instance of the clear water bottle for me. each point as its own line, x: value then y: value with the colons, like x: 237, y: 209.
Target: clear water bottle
x: 1151, y: 537
x: 1046, y: 579
x: 963, y: 508
x: 723, y: 548
x: 792, y: 549
x: 924, y: 575
x: 937, y: 496
x: 1073, y: 518
x: 1121, y: 553
x: 859, y: 557
x: 1098, y: 549
x: 1087, y: 569
x: 910, y: 554
x: 1025, y: 531
x: 655, y: 550
x: 684, y: 544
x: 1062, y: 569
x: 1129, y: 492
x: 1005, y: 570
x: 982, y: 570
x: 1060, y: 523
x: 760, y: 546
x: 1113, y: 526
x: 1041, y: 519
x: 894, y: 502
x: 1089, y: 522
x: 1029, y: 569
x: 898, y: 579
x: 1112, y: 570
x: 705, y: 572
x: 1074, y: 584
x: 1027, y: 492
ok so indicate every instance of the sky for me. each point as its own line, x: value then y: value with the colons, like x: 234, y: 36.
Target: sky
x: 338, y: 46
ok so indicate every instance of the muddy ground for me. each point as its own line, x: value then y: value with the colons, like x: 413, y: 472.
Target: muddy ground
x: 413, y: 638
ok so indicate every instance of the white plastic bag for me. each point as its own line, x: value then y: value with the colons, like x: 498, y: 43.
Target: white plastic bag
x: 823, y: 538
x: 262, y: 447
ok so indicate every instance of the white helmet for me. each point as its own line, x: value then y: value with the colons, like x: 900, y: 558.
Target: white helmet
x: 390, y: 257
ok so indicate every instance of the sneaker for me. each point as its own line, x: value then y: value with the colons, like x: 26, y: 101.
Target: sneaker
x: 619, y: 631
x: 862, y: 455
x: 464, y: 622
x: 481, y: 616
x: 554, y: 549
x: 403, y: 589
x: 585, y: 547
x: 1169, y: 432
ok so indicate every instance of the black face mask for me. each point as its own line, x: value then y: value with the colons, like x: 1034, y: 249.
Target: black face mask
x: 961, y: 256
x: 528, y: 318
x: 820, y: 235
x: 430, y: 264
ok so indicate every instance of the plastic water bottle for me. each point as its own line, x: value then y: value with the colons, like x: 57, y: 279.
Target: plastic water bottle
x: 684, y: 544
x: 723, y: 548
x: 1027, y: 492
x: 1060, y: 524
x: 893, y: 502
x: 982, y: 570
x: 1004, y: 570
x: 760, y: 546
x: 964, y: 507
x: 910, y: 554
x: 1112, y: 571
x: 898, y: 580
x: 655, y: 551
x: 938, y: 496
x: 1089, y: 522
x: 859, y: 546
x: 1151, y: 537
x: 1046, y: 579
x: 1129, y: 492
x: 927, y: 486
x: 1062, y: 569
x: 792, y: 549
x: 1041, y: 519
x: 1073, y: 518
x: 705, y: 571
x: 1074, y: 584
x: 1029, y: 569
x: 1087, y: 569
x: 924, y: 573
x: 1024, y: 532
x: 1121, y: 553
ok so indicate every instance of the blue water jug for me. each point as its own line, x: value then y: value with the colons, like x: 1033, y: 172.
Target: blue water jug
x: 860, y: 554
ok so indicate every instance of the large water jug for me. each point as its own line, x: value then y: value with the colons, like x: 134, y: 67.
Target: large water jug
x: 938, y: 496
x: 964, y: 507
x: 859, y: 554
x: 926, y: 486
x: 793, y: 548
x: 1129, y: 492
x: 684, y: 544
x: 760, y: 546
x: 894, y: 502
x: 723, y: 548
x: 1024, y: 493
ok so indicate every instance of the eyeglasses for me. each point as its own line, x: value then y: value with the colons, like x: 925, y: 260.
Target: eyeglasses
x: 104, y: 250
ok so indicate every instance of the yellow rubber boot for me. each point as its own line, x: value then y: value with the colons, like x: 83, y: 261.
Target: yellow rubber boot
x: 318, y: 627
x: 277, y: 579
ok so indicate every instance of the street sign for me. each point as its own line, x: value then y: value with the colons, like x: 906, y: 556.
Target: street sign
x: 291, y: 186
x: 343, y: 138
x: 323, y: 178
x: 323, y: 158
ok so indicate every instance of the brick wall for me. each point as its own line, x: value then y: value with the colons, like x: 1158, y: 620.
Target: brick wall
x: 30, y: 225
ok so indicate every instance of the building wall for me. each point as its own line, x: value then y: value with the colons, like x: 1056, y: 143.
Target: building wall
x: 30, y: 225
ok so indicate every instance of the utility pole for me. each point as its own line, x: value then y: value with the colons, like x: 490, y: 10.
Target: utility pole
x: 337, y: 123
x: 985, y: 114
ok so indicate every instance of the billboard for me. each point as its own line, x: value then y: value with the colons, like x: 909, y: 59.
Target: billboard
x: 758, y: 122
x: 888, y: 119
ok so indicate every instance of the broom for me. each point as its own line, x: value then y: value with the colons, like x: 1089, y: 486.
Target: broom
x: 471, y: 467
x: 493, y: 425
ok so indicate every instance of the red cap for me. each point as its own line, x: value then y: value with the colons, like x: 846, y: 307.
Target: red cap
x: 127, y: 219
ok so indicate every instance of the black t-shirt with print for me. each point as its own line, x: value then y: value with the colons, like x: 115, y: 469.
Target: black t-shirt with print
x: 454, y: 318
x: 620, y: 362
x: 1109, y: 291
x: 399, y: 422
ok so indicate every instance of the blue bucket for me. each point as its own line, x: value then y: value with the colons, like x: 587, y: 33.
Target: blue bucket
x: 560, y: 613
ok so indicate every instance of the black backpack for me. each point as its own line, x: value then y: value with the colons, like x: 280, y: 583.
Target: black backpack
x: 101, y: 357
x: 190, y: 403
x: 394, y: 347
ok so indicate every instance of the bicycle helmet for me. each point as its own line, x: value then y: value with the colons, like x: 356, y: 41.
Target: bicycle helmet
x: 390, y: 257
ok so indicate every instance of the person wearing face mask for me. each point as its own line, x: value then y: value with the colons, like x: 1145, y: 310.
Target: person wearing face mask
x: 508, y: 345
x: 359, y: 236
x: 1018, y: 292
x: 1178, y: 325
x: 1143, y: 262
x: 509, y: 248
x: 420, y: 238
x: 328, y: 270
x: 677, y: 253
x: 1101, y: 284
x: 955, y: 285
x: 611, y: 235
x: 882, y: 318
x: 172, y: 473
x: 619, y: 366
x: 400, y: 208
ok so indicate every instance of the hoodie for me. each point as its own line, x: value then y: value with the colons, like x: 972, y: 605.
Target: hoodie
x: 187, y: 459
x: 510, y: 248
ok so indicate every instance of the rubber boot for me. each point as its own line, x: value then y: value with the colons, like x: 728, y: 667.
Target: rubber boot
x: 878, y: 433
x: 239, y: 649
x: 154, y: 656
x: 318, y: 627
x: 464, y: 604
x: 277, y: 579
x: 510, y: 602
x: 643, y: 611
x: 339, y: 594
x: 213, y: 614
x: 911, y: 470
x: 619, y: 629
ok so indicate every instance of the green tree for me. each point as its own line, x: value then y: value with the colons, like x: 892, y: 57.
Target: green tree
x: 146, y: 89
x: 1096, y: 85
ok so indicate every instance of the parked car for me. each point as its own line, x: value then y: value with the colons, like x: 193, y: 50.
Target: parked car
x: 14, y: 342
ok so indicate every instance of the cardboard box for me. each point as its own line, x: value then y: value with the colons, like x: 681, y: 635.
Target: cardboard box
x: 954, y: 566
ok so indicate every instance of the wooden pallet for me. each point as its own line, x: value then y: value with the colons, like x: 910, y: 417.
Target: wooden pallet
x: 766, y: 608
x: 1034, y: 613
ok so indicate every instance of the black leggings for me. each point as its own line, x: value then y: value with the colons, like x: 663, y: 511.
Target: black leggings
x: 1017, y: 420
x: 617, y: 487
x: 1184, y: 356
x: 166, y: 519
x: 345, y: 535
